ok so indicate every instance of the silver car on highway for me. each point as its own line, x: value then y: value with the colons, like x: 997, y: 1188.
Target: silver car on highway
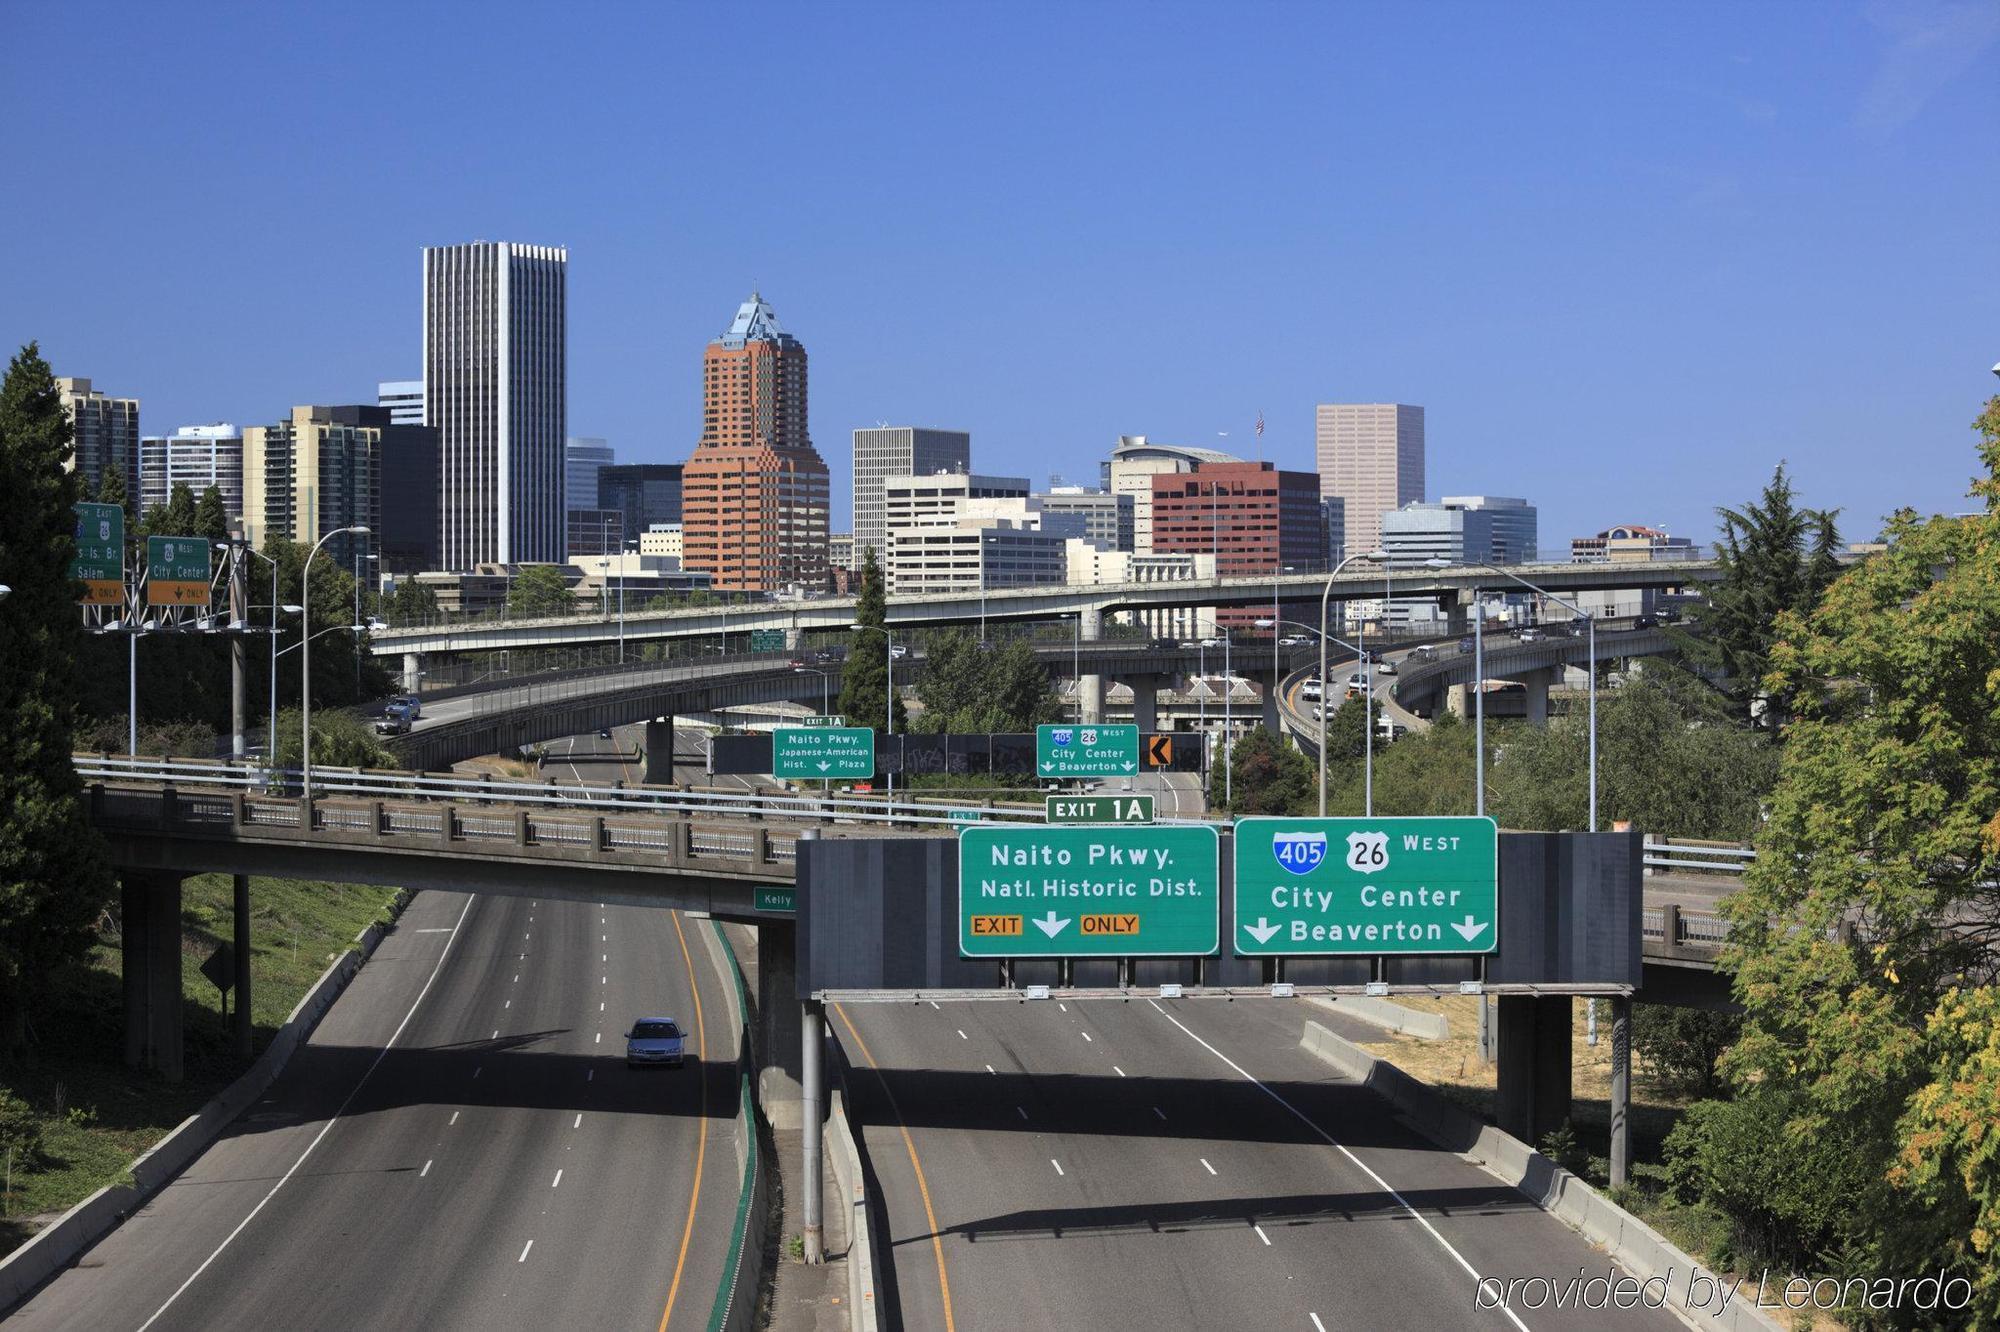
x: 654, y: 1042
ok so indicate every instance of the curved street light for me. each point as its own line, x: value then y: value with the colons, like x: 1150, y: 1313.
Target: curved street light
x: 4, y: 590
x: 1368, y: 773
x: 305, y: 669
x: 1325, y: 638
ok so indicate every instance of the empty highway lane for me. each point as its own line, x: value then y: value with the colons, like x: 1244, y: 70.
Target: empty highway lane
x: 1171, y: 1165
x: 460, y: 1145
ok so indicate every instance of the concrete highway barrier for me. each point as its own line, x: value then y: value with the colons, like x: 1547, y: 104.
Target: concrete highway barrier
x: 1643, y: 1251
x: 65, y: 1240
x: 845, y: 1159
x: 1388, y: 1016
x: 744, y: 1271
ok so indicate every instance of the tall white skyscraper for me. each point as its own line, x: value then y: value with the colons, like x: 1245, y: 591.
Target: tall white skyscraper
x: 196, y: 457
x: 888, y: 451
x: 1371, y: 456
x: 495, y: 388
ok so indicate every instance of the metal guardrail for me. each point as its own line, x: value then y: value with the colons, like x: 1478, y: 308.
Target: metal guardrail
x: 255, y: 778
x: 1683, y: 854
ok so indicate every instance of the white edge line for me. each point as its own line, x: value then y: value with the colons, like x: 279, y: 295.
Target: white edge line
x: 326, y: 1128
x: 1340, y: 1147
x: 425, y: 1171
x: 524, y: 1251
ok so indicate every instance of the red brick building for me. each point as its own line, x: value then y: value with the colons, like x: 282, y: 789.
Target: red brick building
x: 1252, y: 517
x: 755, y: 495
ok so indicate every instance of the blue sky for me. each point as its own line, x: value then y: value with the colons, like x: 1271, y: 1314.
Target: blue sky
x: 1628, y: 257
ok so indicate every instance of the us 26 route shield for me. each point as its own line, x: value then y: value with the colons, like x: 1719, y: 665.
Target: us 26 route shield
x: 1366, y: 886
x: 1037, y: 891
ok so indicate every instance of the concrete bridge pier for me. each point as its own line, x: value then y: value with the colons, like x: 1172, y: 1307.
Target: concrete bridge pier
x: 795, y: 637
x: 1145, y: 701
x: 1534, y: 1072
x: 1090, y: 622
x: 150, y: 947
x: 659, y: 746
x: 781, y: 1031
x: 413, y: 672
x: 1268, y: 682
x: 1090, y: 698
x: 1538, y: 695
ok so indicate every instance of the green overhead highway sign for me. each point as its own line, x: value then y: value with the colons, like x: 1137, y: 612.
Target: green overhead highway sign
x: 1100, y: 809
x: 1086, y: 751
x: 1366, y: 886
x: 1087, y: 892
x: 823, y: 753
x: 767, y: 640
x: 100, y: 554
x: 776, y: 899
x: 177, y: 571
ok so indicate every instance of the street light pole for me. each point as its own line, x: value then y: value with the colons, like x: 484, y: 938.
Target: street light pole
x: 1591, y: 648
x: 1326, y: 596
x: 305, y: 670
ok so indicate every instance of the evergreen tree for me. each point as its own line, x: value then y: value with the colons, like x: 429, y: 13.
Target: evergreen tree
x: 864, y: 675
x: 1269, y: 776
x: 1775, y: 558
x: 53, y: 879
x: 211, y: 517
x: 969, y: 687
x: 177, y: 518
x: 111, y: 490
x: 414, y: 602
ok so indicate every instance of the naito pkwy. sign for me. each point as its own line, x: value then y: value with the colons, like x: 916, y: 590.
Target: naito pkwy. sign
x: 823, y: 753
x: 1366, y: 886
x: 1086, y: 751
x: 1088, y: 892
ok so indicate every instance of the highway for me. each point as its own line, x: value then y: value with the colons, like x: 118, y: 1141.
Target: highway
x: 1179, y: 1164
x: 460, y: 1145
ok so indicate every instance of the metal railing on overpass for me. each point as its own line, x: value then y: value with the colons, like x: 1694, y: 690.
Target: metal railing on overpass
x: 253, y: 778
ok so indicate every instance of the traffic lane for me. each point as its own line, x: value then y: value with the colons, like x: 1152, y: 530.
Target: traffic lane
x: 132, y: 1271
x: 375, y: 1227
x: 535, y: 1135
x: 1229, y: 1210
x: 1495, y: 1231
x: 1087, y: 1180
x: 372, y: 1230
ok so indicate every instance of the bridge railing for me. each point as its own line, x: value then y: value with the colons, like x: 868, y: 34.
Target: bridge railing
x: 756, y: 806
x: 1686, y: 853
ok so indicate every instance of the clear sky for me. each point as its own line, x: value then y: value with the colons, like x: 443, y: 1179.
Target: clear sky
x: 1627, y: 256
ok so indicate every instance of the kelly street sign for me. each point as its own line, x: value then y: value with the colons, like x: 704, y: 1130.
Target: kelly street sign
x: 1099, y: 809
x: 829, y: 753
x: 100, y: 554
x: 1027, y: 891
x: 177, y: 570
x: 1366, y: 886
x: 1086, y: 751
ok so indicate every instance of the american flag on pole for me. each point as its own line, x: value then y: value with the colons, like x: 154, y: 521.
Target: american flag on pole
x: 1260, y: 425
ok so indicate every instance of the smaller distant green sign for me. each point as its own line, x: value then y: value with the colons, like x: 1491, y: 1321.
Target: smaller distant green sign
x: 767, y: 640
x: 1086, y: 751
x: 1100, y: 809
x: 177, y: 569
x: 823, y: 753
x: 967, y: 815
x: 776, y: 899
x: 823, y: 721
x: 100, y: 553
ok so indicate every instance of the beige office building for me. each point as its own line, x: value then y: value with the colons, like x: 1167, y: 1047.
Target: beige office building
x: 661, y: 539
x: 1371, y: 457
x: 310, y: 475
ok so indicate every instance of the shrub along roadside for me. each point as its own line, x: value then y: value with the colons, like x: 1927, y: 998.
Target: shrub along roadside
x: 91, y: 1113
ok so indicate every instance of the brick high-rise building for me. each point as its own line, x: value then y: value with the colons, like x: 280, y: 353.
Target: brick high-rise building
x: 755, y: 494
x: 1250, y: 517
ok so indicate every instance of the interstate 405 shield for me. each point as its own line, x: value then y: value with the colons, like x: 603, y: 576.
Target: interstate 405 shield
x: 1366, y: 886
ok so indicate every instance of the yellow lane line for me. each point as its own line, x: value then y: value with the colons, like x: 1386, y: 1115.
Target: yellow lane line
x: 930, y: 1217
x: 701, y: 1142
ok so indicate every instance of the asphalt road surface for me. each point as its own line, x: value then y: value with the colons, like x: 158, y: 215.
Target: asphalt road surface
x: 460, y: 1145
x: 1172, y: 1165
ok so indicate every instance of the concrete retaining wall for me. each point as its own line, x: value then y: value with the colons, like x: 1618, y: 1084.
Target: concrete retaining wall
x: 1643, y: 1251
x: 62, y: 1242
x: 845, y: 1158
x: 1390, y: 1017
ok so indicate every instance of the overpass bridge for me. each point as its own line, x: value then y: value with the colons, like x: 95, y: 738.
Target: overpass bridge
x: 503, y: 719
x: 1453, y: 588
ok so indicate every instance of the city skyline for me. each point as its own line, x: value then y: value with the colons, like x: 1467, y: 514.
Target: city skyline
x: 1652, y: 328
